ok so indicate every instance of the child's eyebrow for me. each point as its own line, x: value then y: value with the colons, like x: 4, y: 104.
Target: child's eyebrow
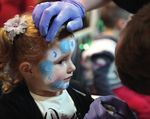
x: 61, y: 57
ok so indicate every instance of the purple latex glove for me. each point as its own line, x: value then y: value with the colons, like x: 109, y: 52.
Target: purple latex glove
x: 70, y: 11
x: 98, y: 111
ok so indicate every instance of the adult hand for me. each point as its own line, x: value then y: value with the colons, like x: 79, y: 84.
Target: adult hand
x: 70, y: 11
x: 98, y: 111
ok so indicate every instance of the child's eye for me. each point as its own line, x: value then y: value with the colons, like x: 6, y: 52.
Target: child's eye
x: 60, y: 62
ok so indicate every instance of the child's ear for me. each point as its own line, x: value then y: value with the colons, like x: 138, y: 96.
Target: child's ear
x: 25, y: 67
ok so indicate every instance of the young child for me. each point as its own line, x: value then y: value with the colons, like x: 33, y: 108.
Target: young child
x: 36, y: 74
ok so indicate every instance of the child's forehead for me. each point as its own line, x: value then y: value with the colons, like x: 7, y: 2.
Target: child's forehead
x: 64, y: 46
x: 68, y: 42
x: 61, y: 48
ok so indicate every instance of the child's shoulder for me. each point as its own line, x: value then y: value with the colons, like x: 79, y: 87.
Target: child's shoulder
x: 18, y: 103
x: 6, y: 106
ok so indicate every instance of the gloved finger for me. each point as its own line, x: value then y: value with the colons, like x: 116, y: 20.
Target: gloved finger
x: 62, y: 17
x: 38, y: 10
x: 86, y: 116
x: 114, y: 101
x: 46, y: 18
x: 94, y: 107
x: 91, y: 114
x: 75, y: 24
x: 120, y: 106
x: 98, y: 111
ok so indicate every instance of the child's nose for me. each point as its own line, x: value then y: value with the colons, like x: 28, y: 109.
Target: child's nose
x: 71, y: 67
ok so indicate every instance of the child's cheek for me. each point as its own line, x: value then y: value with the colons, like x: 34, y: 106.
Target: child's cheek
x: 60, y: 70
x: 46, y: 68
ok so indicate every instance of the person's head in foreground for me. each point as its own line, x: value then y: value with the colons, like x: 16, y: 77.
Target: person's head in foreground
x: 133, y: 52
x: 45, y: 67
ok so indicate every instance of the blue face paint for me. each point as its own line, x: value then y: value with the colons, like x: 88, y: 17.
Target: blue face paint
x: 46, y: 68
x: 59, y: 85
x: 67, y: 46
x: 54, y: 54
x: 72, y: 44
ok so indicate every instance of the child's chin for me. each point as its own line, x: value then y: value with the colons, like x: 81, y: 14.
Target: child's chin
x: 64, y: 87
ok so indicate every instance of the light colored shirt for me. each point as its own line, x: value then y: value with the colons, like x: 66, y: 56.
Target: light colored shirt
x: 57, y: 107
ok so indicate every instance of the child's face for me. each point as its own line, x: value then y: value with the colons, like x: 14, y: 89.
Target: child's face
x: 56, y: 69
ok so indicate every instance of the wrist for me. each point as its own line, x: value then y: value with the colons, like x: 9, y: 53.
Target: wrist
x: 78, y: 4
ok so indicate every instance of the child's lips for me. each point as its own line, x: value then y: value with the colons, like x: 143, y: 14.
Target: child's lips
x: 67, y: 79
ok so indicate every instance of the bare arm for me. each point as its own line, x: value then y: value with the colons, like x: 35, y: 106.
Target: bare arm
x: 92, y: 4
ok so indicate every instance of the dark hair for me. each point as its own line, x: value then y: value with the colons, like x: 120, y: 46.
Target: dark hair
x: 133, y: 52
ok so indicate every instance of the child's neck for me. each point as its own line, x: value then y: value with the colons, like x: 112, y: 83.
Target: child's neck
x: 42, y: 91
x: 46, y: 93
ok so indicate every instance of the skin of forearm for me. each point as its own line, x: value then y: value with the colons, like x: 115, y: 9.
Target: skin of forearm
x: 93, y: 4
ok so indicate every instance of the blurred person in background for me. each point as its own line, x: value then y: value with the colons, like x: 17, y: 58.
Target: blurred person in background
x: 112, y: 20
x: 9, y: 8
x: 132, y: 62
x: 102, y: 54
x: 101, y: 51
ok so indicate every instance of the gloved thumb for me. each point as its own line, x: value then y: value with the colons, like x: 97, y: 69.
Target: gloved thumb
x: 75, y: 24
